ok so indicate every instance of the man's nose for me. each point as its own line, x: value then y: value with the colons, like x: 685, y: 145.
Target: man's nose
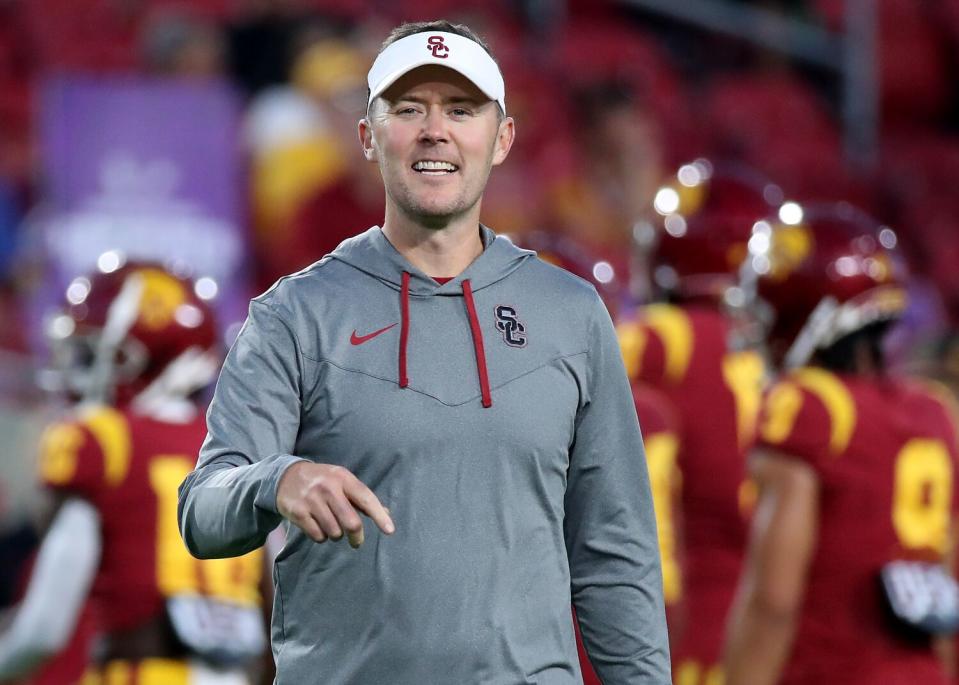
x: 434, y: 127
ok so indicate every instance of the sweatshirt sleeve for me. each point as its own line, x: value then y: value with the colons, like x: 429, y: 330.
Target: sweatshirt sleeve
x: 610, y: 527
x: 227, y: 505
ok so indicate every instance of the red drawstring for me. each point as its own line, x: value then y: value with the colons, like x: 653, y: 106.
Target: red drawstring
x: 474, y: 329
x: 404, y: 327
x: 477, y: 345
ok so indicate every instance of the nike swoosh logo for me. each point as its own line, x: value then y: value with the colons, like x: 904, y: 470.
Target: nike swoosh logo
x: 360, y: 339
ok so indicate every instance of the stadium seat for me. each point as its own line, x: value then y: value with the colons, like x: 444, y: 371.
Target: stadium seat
x: 919, y: 168
x: 591, y: 51
x: 750, y: 112
x: 913, y: 69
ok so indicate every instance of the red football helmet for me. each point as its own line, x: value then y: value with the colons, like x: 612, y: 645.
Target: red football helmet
x: 817, y: 274
x: 134, y: 333
x: 566, y: 253
x: 705, y: 219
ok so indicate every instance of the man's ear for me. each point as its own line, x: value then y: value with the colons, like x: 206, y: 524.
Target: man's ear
x: 365, y: 130
x: 504, y: 140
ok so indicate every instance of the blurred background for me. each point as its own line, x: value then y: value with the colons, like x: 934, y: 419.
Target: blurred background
x: 218, y: 137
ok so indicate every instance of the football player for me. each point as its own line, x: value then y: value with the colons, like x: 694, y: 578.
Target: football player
x: 136, y: 345
x: 846, y: 577
x: 686, y: 347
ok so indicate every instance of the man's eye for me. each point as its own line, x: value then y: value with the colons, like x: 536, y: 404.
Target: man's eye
x: 406, y: 110
x: 460, y: 112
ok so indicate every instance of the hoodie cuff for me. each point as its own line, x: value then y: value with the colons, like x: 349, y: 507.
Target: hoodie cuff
x: 276, y: 466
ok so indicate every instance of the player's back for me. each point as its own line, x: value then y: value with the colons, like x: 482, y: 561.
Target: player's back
x: 884, y: 451
x: 129, y: 467
x: 684, y: 352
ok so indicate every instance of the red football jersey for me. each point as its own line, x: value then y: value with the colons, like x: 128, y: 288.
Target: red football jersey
x: 660, y: 439
x: 130, y: 467
x: 660, y: 427
x: 885, y: 453
x: 685, y: 353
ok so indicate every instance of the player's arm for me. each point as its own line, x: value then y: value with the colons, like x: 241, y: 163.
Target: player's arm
x: 945, y: 645
x: 610, y: 528
x: 764, y: 615
x: 59, y: 583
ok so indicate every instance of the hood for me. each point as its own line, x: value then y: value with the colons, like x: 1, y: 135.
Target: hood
x: 372, y: 253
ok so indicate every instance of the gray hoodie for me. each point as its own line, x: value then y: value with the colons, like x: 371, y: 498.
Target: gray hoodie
x: 493, y: 417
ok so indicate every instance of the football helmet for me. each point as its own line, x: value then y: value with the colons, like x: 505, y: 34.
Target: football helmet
x: 704, y: 218
x: 134, y: 333
x: 818, y: 273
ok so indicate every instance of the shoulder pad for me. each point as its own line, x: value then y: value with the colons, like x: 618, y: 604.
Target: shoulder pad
x: 112, y: 432
x: 837, y: 399
x: 632, y: 343
x: 674, y: 328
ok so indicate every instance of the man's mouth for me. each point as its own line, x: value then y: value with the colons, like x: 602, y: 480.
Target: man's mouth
x: 432, y: 167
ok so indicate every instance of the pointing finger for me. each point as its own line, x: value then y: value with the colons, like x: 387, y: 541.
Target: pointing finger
x: 368, y: 503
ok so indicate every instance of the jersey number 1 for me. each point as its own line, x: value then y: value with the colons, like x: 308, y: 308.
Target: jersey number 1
x: 235, y: 580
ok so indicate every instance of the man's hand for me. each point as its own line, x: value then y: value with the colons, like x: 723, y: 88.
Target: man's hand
x: 325, y: 500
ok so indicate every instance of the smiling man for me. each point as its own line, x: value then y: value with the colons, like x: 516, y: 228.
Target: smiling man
x: 465, y: 396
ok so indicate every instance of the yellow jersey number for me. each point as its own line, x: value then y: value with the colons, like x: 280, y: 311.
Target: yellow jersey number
x: 922, y: 495
x: 233, y: 580
x: 661, y: 451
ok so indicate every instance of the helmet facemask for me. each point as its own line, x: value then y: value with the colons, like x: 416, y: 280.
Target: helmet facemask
x: 819, y: 279
x: 137, y: 335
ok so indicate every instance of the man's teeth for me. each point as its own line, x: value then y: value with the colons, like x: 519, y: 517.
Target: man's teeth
x: 429, y: 165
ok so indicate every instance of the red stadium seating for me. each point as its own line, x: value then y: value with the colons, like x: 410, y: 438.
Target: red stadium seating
x: 912, y: 54
x: 99, y: 35
x: 920, y: 168
x: 591, y: 51
x: 778, y: 124
x: 750, y: 112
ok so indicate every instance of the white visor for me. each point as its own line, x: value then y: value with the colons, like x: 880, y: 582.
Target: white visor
x: 445, y: 49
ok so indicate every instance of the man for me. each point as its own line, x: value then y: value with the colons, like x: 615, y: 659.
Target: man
x: 689, y: 349
x: 467, y: 397
x: 135, y: 345
x: 845, y: 579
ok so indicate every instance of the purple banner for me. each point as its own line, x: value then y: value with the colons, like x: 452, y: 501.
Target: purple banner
x: 150, y: 170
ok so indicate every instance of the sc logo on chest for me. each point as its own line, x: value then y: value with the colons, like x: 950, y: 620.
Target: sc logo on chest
x: 507, y: 323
